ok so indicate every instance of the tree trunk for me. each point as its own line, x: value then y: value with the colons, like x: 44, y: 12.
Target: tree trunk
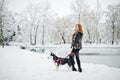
x: 33, y: 36
x: 79, y: 18
x: 31, y: 39
x: 113, y: 33
x: 36, y: 35
x: 43, y: 32
x: 89, y: 36
x: 118, y: 36
x: 63, y: 39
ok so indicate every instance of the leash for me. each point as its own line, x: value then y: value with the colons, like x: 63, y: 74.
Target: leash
x: 67, y: 55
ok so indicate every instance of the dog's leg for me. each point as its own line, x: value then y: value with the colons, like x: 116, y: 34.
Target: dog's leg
x: 68, y: 66
x: 57, y: 67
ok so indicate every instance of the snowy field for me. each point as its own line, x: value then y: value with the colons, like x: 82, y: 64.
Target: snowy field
x: 17, y: 64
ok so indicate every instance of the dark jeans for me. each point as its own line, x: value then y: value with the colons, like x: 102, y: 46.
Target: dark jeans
x: 76, y: 53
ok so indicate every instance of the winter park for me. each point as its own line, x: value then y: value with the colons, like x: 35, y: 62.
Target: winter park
x: 59, y: 39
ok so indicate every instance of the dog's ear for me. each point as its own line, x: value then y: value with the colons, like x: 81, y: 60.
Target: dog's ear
x: 52, y: 53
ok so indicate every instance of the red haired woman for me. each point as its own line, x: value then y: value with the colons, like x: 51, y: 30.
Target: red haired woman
x: 76, y: 46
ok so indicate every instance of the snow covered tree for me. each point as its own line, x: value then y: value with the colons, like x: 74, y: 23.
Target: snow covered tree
x: 2, y: 7
x: 112, y: 21
x: 18, y: 34
x: 34, y: 21
x: 77, y: 7
x: 98, y: 13
x: 6, y: 23
x: 45, y: 20
x: 63, y: 30
x: 1, y: 33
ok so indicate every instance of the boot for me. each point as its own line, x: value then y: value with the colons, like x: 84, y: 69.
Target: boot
x: 72, y: 63
x: 79, y: 64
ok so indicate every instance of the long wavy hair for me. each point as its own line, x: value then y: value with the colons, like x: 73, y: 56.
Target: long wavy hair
x: 80, y: 27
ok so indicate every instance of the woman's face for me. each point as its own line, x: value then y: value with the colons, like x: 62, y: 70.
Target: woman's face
x: 76, y: 28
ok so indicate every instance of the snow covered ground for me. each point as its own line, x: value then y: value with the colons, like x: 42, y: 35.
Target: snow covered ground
x: 17, y: 64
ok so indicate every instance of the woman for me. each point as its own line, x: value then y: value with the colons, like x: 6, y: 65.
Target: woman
x: 76, y: 46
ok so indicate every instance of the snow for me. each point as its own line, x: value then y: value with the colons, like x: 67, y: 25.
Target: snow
x: 17, y: 64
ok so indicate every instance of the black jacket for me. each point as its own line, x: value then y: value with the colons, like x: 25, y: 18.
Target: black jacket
x: 77, y: 40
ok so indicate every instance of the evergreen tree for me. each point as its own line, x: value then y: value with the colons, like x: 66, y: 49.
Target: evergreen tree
x: 1, y: 33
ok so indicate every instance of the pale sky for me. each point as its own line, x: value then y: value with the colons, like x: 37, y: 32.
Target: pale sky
x: 61, y: 7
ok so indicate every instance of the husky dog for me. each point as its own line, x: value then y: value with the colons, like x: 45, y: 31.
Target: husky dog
x: 60, y: 61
